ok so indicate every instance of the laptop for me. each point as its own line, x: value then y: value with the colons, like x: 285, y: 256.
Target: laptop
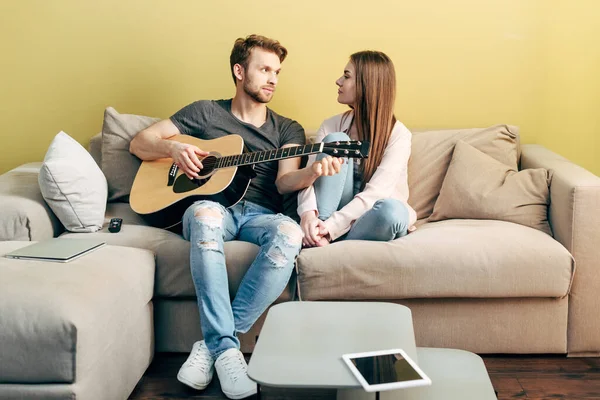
x: 57, y: 249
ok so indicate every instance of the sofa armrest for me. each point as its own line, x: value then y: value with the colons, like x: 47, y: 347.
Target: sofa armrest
x: 24, y: 215
x: 575, y: 219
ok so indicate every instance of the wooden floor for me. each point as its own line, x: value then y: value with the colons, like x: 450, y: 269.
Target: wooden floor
x: 513, y: 377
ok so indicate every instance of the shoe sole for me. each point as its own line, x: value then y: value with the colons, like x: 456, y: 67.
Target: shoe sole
x: 190, y: 383
x: 240, y: 395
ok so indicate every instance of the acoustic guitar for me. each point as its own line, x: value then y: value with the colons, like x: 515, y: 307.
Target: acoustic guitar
x: 161, y: 193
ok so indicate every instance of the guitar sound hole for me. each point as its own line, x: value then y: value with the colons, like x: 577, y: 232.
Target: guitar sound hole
x: 208, y: 166
x: 184, y: 184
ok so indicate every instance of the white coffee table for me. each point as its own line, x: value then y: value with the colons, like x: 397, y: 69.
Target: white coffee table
x: 301, y: 346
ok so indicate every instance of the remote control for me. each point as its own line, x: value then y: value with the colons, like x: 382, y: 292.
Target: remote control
x: 114, y: 225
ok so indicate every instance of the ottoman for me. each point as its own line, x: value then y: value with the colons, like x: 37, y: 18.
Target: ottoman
x: 77, y: 330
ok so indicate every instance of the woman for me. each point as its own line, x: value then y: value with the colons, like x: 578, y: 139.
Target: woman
x: 367, y: 199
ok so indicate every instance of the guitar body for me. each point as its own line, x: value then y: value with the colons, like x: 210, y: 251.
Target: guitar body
x: 162, y: 201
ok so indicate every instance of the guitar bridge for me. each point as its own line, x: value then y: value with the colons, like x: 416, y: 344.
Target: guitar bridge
x: 172, y: 174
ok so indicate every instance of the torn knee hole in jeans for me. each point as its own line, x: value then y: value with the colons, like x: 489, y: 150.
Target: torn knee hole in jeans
x: 210, y: 220
x: 277, y: 256
x: 208, y: 245
x: 209, y: 217
x: 288, y: 235
x: 292, y: 233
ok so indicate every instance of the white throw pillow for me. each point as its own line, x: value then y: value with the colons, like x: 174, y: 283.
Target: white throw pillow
x: 73, y: 185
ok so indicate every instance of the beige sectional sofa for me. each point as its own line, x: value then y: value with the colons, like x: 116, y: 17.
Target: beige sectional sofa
x: 484, y: 285
x: 81, y: 330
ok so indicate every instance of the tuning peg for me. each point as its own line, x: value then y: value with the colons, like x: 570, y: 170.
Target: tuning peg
x: 346, y: 152
x: 356, y: 152
x: 337, y: 143
x: 358, y: 143
x: 348, y: 143
x: 335, y: 151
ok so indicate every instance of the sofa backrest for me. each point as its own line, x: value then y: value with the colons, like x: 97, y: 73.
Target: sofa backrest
x: 432, y: 151
x: 431, y: 154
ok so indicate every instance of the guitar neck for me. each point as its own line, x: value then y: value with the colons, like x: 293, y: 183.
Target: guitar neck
x: 257, y: 157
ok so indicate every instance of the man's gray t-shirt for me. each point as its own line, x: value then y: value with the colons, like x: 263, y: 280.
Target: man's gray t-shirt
x: 210, y: 119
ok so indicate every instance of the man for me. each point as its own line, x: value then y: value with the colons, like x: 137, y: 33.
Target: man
x: 255, y: 66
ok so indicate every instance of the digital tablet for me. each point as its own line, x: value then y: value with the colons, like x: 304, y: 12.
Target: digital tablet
x: 385, y: 370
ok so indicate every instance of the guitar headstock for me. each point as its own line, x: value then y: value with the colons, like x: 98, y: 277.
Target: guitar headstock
x: 347, y: 148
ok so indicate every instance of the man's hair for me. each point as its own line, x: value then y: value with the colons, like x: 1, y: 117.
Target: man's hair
x: 242, y: 49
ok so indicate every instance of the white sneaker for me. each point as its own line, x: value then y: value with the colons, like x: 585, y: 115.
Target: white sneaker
x: 197, y: 371
x: 233, y: 375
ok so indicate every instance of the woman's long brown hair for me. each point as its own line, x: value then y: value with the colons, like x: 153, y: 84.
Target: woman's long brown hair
x: 374, y: 107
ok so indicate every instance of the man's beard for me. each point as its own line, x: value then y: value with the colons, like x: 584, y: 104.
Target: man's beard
x: 257, y: 94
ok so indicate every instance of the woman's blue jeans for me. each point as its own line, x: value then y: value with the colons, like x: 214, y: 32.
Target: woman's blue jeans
x: 386, y: 220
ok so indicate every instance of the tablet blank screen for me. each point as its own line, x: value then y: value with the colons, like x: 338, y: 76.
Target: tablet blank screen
x: 388, y: 368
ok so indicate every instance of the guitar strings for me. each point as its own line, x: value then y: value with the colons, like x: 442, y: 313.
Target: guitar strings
x: 215, y: 160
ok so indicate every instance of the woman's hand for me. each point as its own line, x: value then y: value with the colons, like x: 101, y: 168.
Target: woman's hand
x: 310, y: 225
x: 314, y: 230
x: 185, y: 156
x: 324, y: 241
x: 324, y: 234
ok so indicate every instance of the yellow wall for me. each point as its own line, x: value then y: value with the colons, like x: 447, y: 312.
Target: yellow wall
x: 461, y: 63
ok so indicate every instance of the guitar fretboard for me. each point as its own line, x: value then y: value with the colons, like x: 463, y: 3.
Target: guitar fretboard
x: 268, y: 155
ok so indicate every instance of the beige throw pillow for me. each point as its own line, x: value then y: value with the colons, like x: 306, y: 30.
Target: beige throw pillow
x: 479, y: 187
x: 118, y: 164
x: 432, y: 150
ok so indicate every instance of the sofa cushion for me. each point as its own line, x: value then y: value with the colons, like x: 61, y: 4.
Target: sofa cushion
x: 432, y: 151
x: 24, y: 215
x: 173, y: 277
x: 453, y: 258
x: 118, y: 164
x: 59, y: 319
x: 73, y: 185
x: 478, y: 187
